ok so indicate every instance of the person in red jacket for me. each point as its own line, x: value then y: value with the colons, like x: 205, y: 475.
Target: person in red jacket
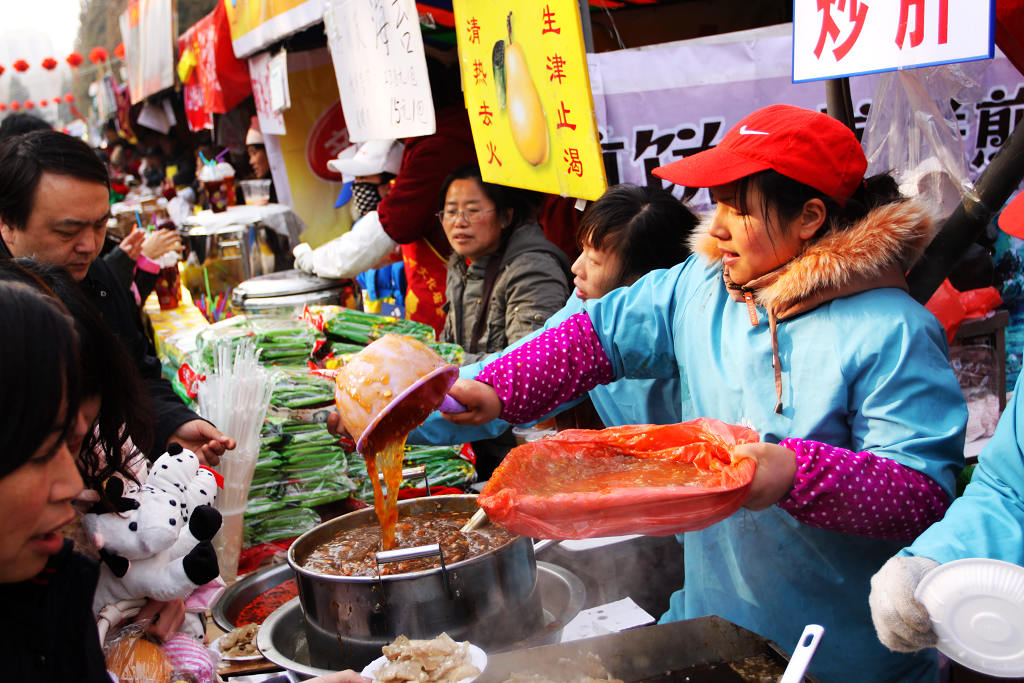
x: 406, y: 216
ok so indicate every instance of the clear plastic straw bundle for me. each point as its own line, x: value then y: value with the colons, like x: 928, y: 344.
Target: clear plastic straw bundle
x: 234, y: 397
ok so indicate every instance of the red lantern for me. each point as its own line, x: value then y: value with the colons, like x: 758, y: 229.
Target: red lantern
x: 98, y: 55
x: 15, y: 106
x: 75, y: 59
x: 20, y: 65
x: 1, y: 70
x: 69, y: 98
x: 3, y: 107
x: 29, y: 104
x: 119, y: 51
x: 57, y: 100
x: 43, y: 102
x: 49, y: 63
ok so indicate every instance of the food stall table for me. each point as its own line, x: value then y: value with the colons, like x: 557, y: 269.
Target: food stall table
x: 174, y: 329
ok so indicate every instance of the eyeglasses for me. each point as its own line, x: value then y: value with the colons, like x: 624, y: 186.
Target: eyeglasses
x: 469, y: 215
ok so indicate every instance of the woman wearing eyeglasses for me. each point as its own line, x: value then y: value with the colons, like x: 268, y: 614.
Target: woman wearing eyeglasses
x: 504, y: 277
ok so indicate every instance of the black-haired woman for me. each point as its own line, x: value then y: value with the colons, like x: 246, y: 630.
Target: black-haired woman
x: 46, y: 589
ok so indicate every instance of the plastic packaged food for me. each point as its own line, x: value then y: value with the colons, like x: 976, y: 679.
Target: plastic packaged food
x: 635, y: 479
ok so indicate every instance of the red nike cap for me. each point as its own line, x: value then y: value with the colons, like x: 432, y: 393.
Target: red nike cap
x: 807, y: 146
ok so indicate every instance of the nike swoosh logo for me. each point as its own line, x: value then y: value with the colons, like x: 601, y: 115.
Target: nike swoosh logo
x: 750, y: 131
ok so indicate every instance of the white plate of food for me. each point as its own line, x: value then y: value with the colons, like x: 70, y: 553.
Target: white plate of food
x: 441, y: 660
x: 238, y: 645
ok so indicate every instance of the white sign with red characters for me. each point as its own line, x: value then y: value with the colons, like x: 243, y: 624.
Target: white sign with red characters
x: 835, y: 38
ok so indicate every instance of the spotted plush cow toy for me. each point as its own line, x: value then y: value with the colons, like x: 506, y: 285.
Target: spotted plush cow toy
x: 156, y: 542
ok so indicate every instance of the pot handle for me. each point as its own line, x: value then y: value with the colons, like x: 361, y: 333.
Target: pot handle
x: 412, y: 473
x: 402, y: 554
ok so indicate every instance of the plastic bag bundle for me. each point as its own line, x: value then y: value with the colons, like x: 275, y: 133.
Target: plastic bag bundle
x: 635, y: 479
x: 134, y: 659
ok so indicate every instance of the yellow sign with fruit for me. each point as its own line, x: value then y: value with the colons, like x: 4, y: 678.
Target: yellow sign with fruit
x: 524, y: 75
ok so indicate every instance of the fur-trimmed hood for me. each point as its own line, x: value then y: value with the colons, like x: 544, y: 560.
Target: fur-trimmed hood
x: 874, y: 253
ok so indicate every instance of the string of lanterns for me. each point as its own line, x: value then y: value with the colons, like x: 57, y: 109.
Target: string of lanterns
x: 32, y: 104
x: 97, y: 55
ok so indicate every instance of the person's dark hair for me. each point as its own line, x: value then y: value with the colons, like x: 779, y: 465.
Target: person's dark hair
x: 20, y: 123
x: 784, y: 198
x: 106, y: 372
x: 24, y: 160
x: 503, y: 197
x: 38, y: 372
x: 646, y: 226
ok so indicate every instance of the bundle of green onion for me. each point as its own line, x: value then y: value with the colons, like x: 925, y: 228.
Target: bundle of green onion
x: 362, y: 328
x: 280, y: 340
x: 297, y: 388
x: 444, y: 467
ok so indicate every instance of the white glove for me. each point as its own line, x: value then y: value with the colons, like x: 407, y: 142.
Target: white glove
x: 902, y: 623
x: 359, y: 249
x: 303, y: 254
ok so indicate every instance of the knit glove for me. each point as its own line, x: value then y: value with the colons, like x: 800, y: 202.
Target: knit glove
x: 902, y: 623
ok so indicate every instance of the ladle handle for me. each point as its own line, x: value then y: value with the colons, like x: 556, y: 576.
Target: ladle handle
x: 451, y: 405
x: 478, y: 519
x: 408, y: 472
x: 402, y: 554
x: 801, y: 658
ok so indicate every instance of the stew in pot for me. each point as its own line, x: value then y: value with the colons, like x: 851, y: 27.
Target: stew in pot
x: 352, y: 551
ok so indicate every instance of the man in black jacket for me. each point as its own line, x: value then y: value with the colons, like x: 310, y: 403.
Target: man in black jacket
x: 54, y: 205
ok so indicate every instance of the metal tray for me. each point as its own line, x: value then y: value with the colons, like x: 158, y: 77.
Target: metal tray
x: 646, y: 653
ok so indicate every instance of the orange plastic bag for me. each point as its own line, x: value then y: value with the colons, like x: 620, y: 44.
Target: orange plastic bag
x: 635, y: 479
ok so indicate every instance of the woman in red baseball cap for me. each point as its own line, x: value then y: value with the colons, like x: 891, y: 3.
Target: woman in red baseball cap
x: 792, y: 317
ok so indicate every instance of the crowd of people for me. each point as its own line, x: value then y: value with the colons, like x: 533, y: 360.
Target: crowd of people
x: 786, y: 310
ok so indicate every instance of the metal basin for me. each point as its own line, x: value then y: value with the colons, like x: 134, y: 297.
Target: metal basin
x: 239, y: 594
x: 490, y: 599
x: 282, y: 637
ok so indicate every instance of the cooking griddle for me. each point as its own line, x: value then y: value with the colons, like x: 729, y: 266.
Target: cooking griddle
x: 706, y: 649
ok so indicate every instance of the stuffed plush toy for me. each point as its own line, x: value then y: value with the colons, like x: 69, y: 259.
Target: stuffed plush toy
x: 156, y: 542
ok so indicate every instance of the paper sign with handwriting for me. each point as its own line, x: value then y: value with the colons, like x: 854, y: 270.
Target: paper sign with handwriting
x: 377, y: 49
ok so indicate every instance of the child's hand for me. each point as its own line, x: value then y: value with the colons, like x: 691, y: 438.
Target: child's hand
x: 776, y: 468
x: 132, y: 244
x: 159, y: 242
x: 481, y: 401
x: 162, y: 619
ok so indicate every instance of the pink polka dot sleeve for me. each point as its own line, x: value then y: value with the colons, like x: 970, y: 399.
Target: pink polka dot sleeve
x: 557, y: 366
x: 861, y: 493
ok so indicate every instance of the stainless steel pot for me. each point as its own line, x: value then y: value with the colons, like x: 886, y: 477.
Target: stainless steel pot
x: 491, y: 599
x: 287, y: 291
